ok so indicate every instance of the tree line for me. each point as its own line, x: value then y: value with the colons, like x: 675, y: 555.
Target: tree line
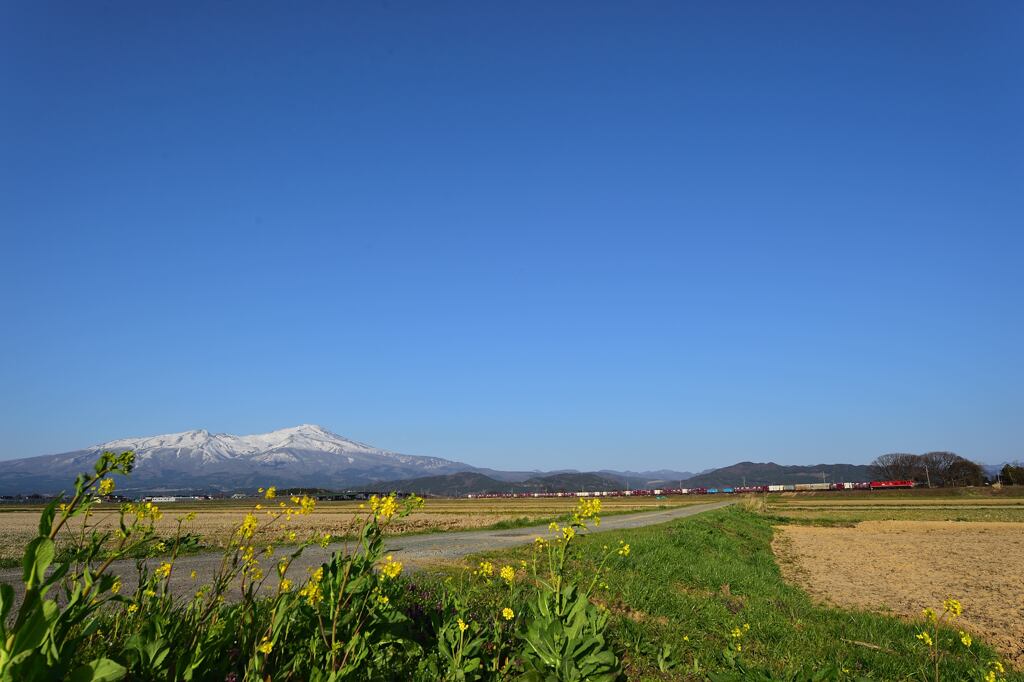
x: 936, y: 469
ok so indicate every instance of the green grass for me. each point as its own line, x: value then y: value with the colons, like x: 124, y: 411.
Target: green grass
x: 702, y: 576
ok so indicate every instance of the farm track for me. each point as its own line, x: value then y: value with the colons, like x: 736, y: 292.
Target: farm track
x: 415, y: 551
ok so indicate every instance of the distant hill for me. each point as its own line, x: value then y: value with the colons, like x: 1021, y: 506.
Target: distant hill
x: 659, y: 478
x: 466, y: 482
x: 447, y: 485
x: 767, y: 473
x: 590, y: 482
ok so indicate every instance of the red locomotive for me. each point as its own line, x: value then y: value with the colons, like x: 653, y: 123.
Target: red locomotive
x: 891, y: 484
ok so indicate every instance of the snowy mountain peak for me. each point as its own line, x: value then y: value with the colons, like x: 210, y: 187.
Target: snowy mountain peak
x: 306, y: 455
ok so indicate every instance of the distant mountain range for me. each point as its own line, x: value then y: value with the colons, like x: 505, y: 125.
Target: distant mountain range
x: 301, y: 456
x: 306, y: 456
x: 310, y: 456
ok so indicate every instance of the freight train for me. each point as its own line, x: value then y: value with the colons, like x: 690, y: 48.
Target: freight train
x: 655, y: 492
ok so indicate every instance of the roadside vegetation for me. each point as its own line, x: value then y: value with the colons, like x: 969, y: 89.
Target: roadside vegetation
x: 699, y: 599
x: 703, y: 598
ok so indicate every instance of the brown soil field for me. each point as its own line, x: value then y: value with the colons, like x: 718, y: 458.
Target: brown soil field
x: 905, y: 566
x: 215, y: 520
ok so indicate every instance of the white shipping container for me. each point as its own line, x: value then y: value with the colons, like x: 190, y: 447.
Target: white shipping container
x: 775, y: 488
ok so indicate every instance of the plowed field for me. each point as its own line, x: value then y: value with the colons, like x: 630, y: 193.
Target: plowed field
x: 905, y: 566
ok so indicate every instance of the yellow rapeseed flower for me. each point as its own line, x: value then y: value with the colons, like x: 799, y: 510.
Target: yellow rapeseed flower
x: 116, y: 587
x: 132, y: 608
x: 507, y: 613
x: 265, y: 646
x: 926, y: 638
x: 508, y: 574
x: 624, y: 550
x: 248, y: 527
x: 952, y: 607
x: 162, y: 571
x: 312, y: 592
x: 391, y: 568
x: 965, y: 638
x: 929, y: 615
x: 271, y: 493
x: 193, y: 574
x: 486, y: 569
x: 462, y: 625
x: 286, y: 585
x: 107, y: 486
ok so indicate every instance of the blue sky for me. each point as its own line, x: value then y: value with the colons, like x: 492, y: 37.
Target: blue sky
x: 528, y: 235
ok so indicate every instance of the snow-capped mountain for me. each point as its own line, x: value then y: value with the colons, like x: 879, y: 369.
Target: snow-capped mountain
x: 306, y: 456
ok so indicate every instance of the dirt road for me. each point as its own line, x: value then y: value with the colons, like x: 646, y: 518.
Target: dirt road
x: 415, y: 551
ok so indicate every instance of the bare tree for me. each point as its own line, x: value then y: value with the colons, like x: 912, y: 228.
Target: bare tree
x: 963, y: 472
x: 896, y: 466
x: 1012, y: 474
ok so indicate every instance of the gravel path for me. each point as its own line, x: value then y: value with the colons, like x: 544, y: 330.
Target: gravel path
x: 415, y: 551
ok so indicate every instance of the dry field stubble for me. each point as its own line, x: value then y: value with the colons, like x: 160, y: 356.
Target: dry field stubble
x: 215, y: 521
x: 884, y: 506
x: 907, y: 565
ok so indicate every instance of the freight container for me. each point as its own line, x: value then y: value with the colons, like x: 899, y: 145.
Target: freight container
x: 789, y: 487
x: 776, y: 488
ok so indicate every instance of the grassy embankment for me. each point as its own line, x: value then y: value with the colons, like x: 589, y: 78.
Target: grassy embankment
x: 689, y: 583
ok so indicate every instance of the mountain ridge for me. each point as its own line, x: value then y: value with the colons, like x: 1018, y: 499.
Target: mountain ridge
x: 191, y: 461
x: 311, y: 456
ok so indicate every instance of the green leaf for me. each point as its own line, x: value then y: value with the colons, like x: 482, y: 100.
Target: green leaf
x: 6, y: 601
x: 38, y: 555
x: 46, y: 518
x: 100, y: 670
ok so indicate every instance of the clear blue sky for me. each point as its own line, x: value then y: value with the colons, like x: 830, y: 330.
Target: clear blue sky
x: 595, y: 234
